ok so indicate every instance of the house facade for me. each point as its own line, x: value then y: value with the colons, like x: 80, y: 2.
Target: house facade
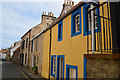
x: 24, y: 50
x: 71, y: 37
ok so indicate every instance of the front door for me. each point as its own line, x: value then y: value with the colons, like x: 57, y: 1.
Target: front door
x: 60, y: 68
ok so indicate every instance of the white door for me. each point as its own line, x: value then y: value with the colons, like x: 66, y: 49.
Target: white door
x: 72, y: 74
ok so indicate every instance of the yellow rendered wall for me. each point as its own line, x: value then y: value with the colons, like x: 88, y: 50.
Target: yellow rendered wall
x: 45, y: 63
x: 72, y: 48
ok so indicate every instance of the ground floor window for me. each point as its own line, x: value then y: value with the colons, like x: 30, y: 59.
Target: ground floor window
x: 25, y: 58
x: 71, y: 72
x: 53, y: 65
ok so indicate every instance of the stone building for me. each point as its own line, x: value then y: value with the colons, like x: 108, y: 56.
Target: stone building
x: 24, y: 50
x: 36, y: 43
x: 31, y: 49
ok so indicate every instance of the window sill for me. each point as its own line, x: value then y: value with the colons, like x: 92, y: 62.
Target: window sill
x: 53, y: 75
x: 75, y: 34
x: 59, y: 39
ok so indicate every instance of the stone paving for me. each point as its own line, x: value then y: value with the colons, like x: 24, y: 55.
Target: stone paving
x: 29, y: 73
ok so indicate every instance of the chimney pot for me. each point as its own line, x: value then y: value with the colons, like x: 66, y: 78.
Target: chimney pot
x: 72, y: 2
x: 50, y: 13
x: 53, y: 14
x: 64, y: 1
x: 67, y: 1
x: 45, y: 13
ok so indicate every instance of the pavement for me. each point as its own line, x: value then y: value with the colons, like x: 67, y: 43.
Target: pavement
x: 29, y: 73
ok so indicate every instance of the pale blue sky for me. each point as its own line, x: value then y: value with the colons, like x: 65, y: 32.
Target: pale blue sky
x: 18, y: 17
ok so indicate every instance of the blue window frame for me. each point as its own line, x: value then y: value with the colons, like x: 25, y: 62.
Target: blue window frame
x: 53, y: 65
x: 85, y: 20
x: 58, y: 62
x: 76, y: 24
x: 72, y: 67
x: 60, y: 30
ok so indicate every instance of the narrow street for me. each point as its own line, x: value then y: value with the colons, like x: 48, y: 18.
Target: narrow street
x: 9, y: 70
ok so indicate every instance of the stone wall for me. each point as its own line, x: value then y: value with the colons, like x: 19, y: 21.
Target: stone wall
x: 103, y: 67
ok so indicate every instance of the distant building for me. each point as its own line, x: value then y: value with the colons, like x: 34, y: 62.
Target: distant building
x: 16, y: 45
x: 16, y: 56
x: 2, y: 54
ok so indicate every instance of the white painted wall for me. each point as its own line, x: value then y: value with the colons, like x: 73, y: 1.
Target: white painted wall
x: 2, y: 56
x: 12, y: 50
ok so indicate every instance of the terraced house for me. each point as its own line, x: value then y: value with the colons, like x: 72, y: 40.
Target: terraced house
x: 82, y: 43
x: 31, y: 51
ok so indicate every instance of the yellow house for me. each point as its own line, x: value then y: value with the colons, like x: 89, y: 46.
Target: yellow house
x: 72, y: 35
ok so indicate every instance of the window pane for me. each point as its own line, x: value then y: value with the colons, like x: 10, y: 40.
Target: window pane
x: 60, y: 31
x: 77, y: 23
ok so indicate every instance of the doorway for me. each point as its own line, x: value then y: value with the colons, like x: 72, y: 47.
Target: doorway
x: 60, y: 67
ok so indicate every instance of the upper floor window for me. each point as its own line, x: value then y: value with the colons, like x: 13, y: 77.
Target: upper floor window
x: 23, y: 44
x: 60, y: 30
x: 77, y: 26
x: 32, y: 46
x: 76, y: 22
x: 36, y: 43
x: 87, y: 20
x: 26, y: 42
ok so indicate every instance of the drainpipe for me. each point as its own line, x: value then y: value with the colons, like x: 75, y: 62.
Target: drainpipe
x: 92, y: 29
x: 50, y: 51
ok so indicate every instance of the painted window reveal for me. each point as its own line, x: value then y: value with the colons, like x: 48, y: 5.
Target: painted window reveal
x: 53, y: 65
x: 60, y: 67
x: 60, y: 30
x: 71, y: 72
x: 87, y: 20
x: 76, y: 22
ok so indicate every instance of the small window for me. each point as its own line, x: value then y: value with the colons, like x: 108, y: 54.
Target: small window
x: 36, y: 43
x: 25, y: 58
x: 26, y: 42
x: 76, y: 23
x: 32, y: 46
x: 53, y: 65
x: 60, y: 30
